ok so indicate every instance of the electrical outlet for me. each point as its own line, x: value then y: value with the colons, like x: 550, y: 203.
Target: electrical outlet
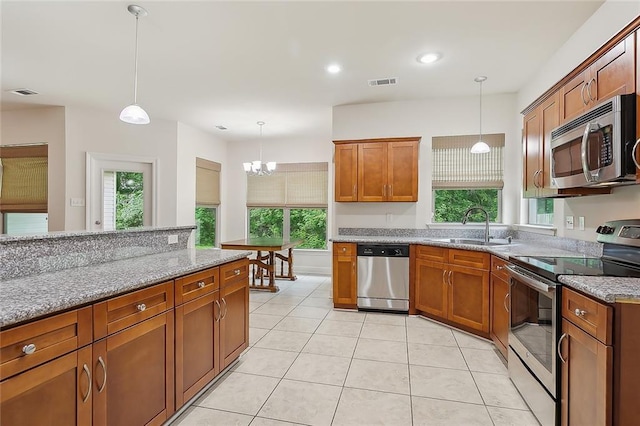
x: 389, y: 217
x: 173, y: 239
x: 77, y: 202
x: 581, y: 223
x: 568, y: 222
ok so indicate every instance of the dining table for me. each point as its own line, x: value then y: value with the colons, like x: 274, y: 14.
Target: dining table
x: 264, y: 263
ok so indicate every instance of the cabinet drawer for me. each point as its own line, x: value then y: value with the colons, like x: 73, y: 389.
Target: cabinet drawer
x: 436, y: 254
x: 470, y: 258
x: 230, y: 272
x: 196, y: 285
x: 591, y: 316
x: 50, y: 337
x: 498, y: 268
x: 121, y: 312
x: 344, y: 249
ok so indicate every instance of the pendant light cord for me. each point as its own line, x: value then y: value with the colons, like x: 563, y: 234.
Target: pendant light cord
x: 135, y: 71
x: 481, y: 110
x: 260, y: 123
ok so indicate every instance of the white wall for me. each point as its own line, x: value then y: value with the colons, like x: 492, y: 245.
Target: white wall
x: 427, y: 118
x: 37, y: 125
x: 194, y: 143
x: 89, y: 130
x: 624, y: 202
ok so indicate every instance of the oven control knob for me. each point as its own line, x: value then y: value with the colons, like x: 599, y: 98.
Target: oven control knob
x: 398, y: 252
x: 604, y: 229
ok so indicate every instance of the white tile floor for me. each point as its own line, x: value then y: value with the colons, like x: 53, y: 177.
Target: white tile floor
x: 312, y: 365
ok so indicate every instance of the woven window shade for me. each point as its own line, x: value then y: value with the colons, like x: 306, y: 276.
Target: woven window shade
x: 207, y: 182
x: 455, y: 167
x: 23, y: 185
x: 291, y: 185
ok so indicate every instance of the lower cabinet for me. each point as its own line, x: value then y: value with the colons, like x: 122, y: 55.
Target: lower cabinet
x: 234, y: 320
x: 499, y: 306
x: 344, y: 276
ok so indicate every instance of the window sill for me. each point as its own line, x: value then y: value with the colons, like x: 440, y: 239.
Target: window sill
x: 537, y: 229
x: 459, y: 225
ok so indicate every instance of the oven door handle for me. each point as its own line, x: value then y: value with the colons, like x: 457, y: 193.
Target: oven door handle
x: 531, y: 282
x: 590, y: 177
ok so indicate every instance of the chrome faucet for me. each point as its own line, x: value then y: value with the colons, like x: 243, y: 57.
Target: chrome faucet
x: 486, y: 220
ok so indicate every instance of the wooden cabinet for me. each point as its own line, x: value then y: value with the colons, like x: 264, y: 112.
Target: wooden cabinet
x: 499, y: 306
x: 344, y: 275
x: 45, y: 371
x: 234, y: 320
x: 376, y: 170
x: 453, y: 285
x: 197, y: 346
x: 637, y: 152
x: 613, y: 73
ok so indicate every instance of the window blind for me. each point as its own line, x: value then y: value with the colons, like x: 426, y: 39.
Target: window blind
x: 455, y: 167
x: 23, y: 178
x: 207, y: 182
x: 291, y: 185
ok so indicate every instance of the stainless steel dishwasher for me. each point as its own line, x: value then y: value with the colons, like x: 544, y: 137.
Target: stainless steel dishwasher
x: 383, y: 277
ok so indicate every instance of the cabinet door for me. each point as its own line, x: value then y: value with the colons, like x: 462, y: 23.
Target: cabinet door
x: 133, y: 374
x: 613, y: 73
x: 197, y: 345
x: 372, y: 171
x: 550, y: 115
x: 431, y: 287
x: 234, y: 321
x: 469, y: 297
x: 55, y: 393
x: 587, y: 374
x: 402, y: 171
x: 346, y: 159
x: 531, y: 146
x: 499, y: 313
x: 345, y: 293
x: 574, y: 98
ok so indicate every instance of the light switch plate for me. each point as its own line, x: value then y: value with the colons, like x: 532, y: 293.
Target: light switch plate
x: 77, y: 202
x: 173, y: 239
x: 568, y: 222
x: 581, y: 223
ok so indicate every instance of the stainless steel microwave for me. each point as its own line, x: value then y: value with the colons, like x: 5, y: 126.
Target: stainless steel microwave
x: 597, y: 147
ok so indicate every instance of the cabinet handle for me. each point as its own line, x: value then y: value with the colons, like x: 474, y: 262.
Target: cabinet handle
x: 584, y: 101
x: 504, y: 302
x: 29, y: 349
x: 535, y: 180
x: 593, y: 80
x: 236, y: 272
x: 104, y: 369
x: 225, y: 308
x: 634, y: 155
x: 449, y: 278
x: 141, y: 307
x: 354, y: 191
x: 444, y: 272
x: 201, y: 284
x: 499, y: 267
x: 344, y: 249
x: 390, y: 190
x: 580, y: 312
x: 86, y: 370
x: 384, y: 190
x: 560, y: 348
x: 540, y: 181
x: 219, y: 311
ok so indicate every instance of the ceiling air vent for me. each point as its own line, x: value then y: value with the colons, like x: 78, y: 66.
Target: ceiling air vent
x: 384, y: 81
x: 221, y: 127
x: 23, y: 92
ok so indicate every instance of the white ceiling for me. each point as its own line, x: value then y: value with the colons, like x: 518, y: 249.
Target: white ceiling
x: 233, y: 63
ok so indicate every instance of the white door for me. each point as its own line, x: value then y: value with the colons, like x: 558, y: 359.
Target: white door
x: 104, y: 171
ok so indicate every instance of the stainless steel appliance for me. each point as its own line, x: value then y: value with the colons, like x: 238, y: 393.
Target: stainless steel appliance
x: 598, y: 147
x: 383, y: 277
x: 535, y: 311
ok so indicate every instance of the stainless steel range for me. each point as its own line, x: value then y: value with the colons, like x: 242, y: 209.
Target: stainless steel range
x: 535, y: 311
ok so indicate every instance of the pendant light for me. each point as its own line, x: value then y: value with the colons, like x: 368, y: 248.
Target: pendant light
x: 257, y: 167
x: 134, y: 114
x: 480, y: 147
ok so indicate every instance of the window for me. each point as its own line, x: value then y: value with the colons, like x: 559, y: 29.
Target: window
x: 291, y: 204
x: 462, y: 180
x: 25, y: 223
x: 207, y: 202
x: 23, y: 178
x: 541, y: 211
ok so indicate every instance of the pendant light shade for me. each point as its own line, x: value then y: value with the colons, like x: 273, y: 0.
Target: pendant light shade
x: 480, y: 147
x: 134, y: 114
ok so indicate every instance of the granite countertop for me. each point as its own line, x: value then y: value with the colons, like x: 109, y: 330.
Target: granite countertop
x: 33, y: 296
x: 607, y: 289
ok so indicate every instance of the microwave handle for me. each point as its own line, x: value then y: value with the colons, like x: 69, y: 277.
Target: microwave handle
x: 583, y: 151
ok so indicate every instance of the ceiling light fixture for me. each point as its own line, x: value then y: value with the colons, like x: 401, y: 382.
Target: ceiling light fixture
x: 334, y: 69
x: 480, y: 147
x: 257, y: 167
x: 429, y: 58
x: 134, y: 114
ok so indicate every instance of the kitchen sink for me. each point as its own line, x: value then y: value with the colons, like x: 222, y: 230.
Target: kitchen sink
x: 472, y: 241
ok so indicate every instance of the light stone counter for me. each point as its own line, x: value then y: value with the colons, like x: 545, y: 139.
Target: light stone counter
x: 607, y: 289
x: 33, y: 296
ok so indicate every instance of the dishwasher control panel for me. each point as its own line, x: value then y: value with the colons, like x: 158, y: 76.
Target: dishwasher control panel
x: 383, y: 250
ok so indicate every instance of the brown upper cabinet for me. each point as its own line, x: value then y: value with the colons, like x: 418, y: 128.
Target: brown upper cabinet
x: 613, y: 73
x: 374, y: 170
x: 637, y: 153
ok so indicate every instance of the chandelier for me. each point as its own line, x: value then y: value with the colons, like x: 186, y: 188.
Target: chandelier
x: 257, y: 167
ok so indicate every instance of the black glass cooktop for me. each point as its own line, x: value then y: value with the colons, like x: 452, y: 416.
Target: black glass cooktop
x: 551, y: 267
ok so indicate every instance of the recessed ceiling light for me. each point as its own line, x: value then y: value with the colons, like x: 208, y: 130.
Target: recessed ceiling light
x: 429, y: 58
x: 334, y: 68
